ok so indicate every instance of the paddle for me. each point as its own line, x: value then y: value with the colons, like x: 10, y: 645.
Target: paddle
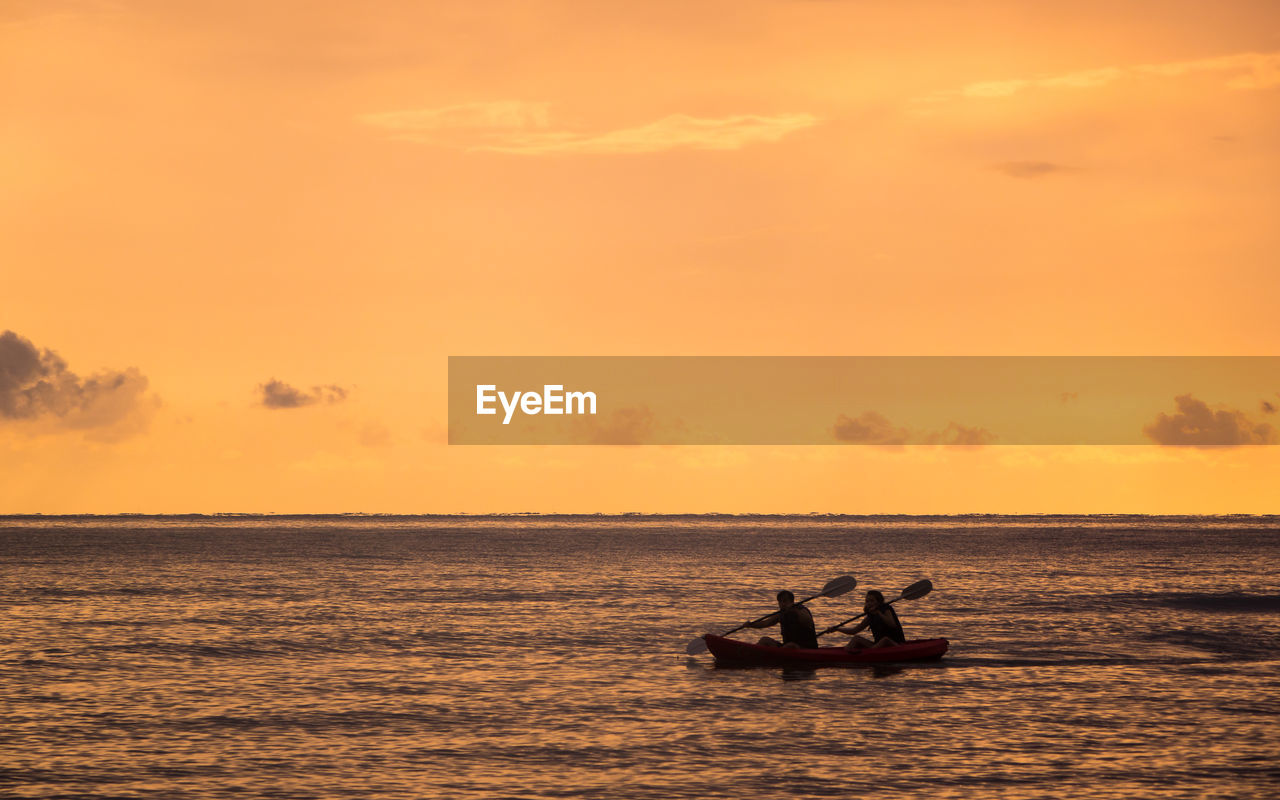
x: 835, y: 588
x: 913, y: 592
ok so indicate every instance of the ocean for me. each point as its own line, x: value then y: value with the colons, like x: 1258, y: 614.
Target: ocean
x: 544, y: 657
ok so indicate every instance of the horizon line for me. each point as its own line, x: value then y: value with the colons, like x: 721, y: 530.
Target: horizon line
x: 378, y: 514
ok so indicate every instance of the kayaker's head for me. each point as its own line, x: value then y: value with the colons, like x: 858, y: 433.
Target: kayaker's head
x: 874, y: 600
x: 786, y: 599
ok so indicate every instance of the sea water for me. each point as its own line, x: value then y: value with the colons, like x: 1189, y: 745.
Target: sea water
x: 543, y: 657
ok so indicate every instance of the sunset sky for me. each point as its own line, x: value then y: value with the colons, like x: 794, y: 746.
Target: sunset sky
x: 253, y: 233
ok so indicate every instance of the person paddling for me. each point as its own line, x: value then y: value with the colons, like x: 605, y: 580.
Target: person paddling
x: 796, y: 622
x: 886, y: 630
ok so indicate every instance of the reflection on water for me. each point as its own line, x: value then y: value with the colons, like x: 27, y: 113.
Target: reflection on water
x: 524, y: 657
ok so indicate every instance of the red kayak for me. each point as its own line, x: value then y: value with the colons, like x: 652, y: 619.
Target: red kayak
x: 732, y: 651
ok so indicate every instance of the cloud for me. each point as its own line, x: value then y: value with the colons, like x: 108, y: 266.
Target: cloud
x: 624, y: 426
x: 278, y: 394
x: 522, y: 128
x: 1069, y: 397
x: 1253, y: 70
x: 1197, y: 425
x: 1244, y: 71
x: 435, y: 433
x: 37, y: 386
x: 994, y: 88
x: 961, y: 436
x: 1269, y: 407
x: 375, y: 434
x: 871, y: 427
x: 1030, y: 169
x: 36, y: 11
x: 1085, y: 79
x: 874, y: 428
x: 669, y: 133
x: 484, y: 119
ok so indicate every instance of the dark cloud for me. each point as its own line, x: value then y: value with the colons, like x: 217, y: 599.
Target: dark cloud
x: 1268, y: 407
x: 1030, y: 169
x: 37, y: 385
x: 870, y: 428
x: 278, y: 394
x: 331, y: 393
x: 1197, y: 425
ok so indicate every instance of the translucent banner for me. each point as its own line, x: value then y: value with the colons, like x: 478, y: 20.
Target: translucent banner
x: 886, y: 401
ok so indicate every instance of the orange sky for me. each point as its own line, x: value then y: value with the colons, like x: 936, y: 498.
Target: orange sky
x: 222, y: 193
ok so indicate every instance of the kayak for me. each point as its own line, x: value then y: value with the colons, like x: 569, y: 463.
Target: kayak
x: 732, y: 651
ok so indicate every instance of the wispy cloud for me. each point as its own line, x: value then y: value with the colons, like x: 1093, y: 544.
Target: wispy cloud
x: 1242, y: 71
x: 27, y: 13
x: 1030, y: 169
x: 668, y: 133
x: 375, y: 434
x: 526, y: 129
x: 485, y: 120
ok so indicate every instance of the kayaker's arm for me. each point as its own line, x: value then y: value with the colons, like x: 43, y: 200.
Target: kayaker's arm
x: 856, y: 629
x: 766, y: 622
x: 879, y: 612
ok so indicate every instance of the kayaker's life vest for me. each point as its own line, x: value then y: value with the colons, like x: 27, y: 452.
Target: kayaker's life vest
x: 879, y: 629
x: 798, y: 627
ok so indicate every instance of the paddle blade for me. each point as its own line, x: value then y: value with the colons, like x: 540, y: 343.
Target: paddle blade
x: 696, y: 646
x: 917, y: 590
x: 839, y: 586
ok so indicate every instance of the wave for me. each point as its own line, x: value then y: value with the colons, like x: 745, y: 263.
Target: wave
x: 1235, y: 602
x: 1224, y: 601
x: 117, y: 591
